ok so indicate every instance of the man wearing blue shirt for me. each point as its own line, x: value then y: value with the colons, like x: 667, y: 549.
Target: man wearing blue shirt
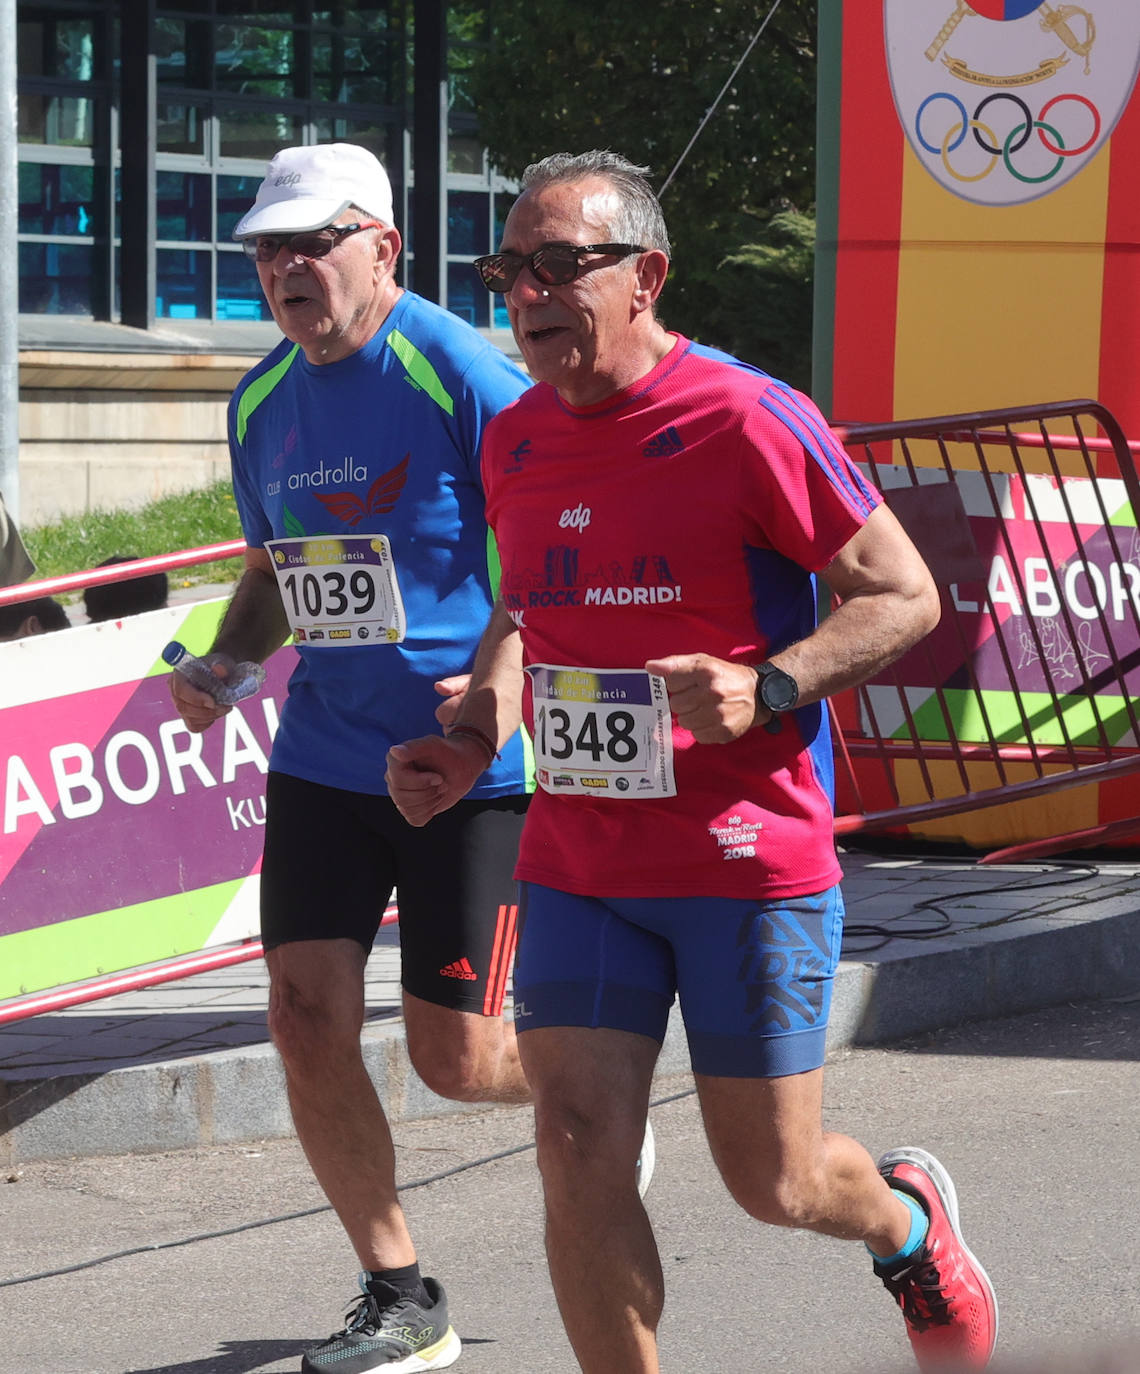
x: 355, y: 453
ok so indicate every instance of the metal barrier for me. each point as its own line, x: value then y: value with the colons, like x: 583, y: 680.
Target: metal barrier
x: 121, y: 572
x: 1027, y: 519
x: 150, y: 976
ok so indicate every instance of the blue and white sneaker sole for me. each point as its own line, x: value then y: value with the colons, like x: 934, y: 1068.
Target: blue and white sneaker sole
x: 944, y: 1186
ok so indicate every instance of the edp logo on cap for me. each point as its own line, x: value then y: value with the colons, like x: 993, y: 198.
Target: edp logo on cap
x: 1004, y: 101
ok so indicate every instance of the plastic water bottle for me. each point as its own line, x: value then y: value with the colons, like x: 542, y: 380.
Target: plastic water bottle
x: 242, y: 679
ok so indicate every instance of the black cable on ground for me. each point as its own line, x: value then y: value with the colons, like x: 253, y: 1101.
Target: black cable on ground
x: 1060, y: 873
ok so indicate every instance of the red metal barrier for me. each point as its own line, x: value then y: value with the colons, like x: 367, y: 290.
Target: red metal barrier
x: 1027, y: 518
x: 1029, y: 683
x: 121, y: 572
x: 185, y: 966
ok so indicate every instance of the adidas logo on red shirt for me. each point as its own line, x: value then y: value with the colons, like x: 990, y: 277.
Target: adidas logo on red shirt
x: 665, y: 444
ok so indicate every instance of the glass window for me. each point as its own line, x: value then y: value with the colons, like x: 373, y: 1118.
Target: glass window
x: 182, y: 207
x: 56, y: 279
x: 459, y: 64
x: 68, y: 121
x: 237, y: 81
x: 56, y: 200
x: 279, y: 87
x: 33, y: 209
x: 183, y: 52
x: 361, y: 68
x: 170, y: 51
x: 369, y: 133
x: 239, y: 294
x: 352, y: 18
x: 252, y: 11
x: 182, y: 281
x: 254, y: 61
x: 56, y: 46
x: 467, y: 222
x: 503, y: 202
x: 465, y: 155
x: 466, y: 295
x: 256, y: 133
x: 181, y: 129
x: 235, y: 196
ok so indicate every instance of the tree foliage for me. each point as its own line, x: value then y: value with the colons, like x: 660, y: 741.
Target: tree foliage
x: 760, y: 296
x: 561, y: 76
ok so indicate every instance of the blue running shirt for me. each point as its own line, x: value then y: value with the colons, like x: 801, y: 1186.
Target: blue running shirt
x: 385, y: 442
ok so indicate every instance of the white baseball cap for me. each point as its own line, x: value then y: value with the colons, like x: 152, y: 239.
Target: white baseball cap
x: 307, y: 188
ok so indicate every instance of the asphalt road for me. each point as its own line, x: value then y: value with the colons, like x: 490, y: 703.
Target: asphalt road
x: 1036, y: 1117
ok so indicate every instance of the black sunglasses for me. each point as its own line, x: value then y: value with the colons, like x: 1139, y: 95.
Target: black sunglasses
x: 554, y: 264
x: 315, y: 244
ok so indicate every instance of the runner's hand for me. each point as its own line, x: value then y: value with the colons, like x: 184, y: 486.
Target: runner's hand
x: 711, y: 698
x: 198, y: 709
x: 453, y: 690
x: 428, y: 775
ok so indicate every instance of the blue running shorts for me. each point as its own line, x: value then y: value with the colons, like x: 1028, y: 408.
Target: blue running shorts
x: 754, y: 978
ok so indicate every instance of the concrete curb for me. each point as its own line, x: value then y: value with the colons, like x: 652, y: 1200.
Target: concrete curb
x: 239, y: 1094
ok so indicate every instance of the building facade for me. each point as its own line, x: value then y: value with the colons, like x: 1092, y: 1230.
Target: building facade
x: 144, y: 129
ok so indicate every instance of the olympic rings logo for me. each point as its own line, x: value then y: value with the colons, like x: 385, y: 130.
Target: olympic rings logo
x: 1004, y: 150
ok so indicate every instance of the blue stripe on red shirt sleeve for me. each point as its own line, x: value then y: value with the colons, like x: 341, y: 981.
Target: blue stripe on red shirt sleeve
x: 811, y: 429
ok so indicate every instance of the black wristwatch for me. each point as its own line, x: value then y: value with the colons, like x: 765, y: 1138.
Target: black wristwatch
x: 776, y: 690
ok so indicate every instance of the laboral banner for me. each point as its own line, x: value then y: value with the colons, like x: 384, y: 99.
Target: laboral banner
x: 125, y: 839
x: 1066, y: 610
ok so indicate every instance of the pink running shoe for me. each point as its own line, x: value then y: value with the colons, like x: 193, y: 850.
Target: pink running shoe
x: 945, y: 1294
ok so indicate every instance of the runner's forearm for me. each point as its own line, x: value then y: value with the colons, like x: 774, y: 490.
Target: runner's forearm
x: 889, y: 602
x: 493, y: 703
x: 854, y: 643
x: 254, y: 625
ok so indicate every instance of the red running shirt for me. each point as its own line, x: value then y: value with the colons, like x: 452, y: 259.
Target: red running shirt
x: 686, y: 514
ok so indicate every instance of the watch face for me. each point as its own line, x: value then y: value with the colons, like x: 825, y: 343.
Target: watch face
x: 778, y: 690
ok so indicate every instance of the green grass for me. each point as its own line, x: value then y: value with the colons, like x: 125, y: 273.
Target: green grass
x: 188, y: 520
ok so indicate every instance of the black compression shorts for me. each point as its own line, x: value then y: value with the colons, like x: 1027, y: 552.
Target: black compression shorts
x: 333, y: 858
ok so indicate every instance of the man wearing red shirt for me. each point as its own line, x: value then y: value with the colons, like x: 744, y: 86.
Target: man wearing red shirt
x: 661, y: 512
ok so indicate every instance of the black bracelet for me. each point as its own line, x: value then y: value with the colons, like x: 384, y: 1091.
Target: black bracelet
x: 481, y: 735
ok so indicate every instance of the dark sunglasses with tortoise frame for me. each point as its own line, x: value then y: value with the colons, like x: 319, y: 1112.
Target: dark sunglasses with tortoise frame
x: 554, y: 264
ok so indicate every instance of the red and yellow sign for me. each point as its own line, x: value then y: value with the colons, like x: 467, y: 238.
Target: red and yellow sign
x: 979, y: 227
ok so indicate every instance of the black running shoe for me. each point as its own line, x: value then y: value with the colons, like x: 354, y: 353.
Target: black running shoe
x: 400, y: 1338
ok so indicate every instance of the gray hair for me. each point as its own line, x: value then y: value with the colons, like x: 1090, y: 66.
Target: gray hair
x: 369, y: 214
x: 638, y: 218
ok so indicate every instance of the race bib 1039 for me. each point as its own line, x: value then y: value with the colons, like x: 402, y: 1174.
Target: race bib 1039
x: 339, y: 591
